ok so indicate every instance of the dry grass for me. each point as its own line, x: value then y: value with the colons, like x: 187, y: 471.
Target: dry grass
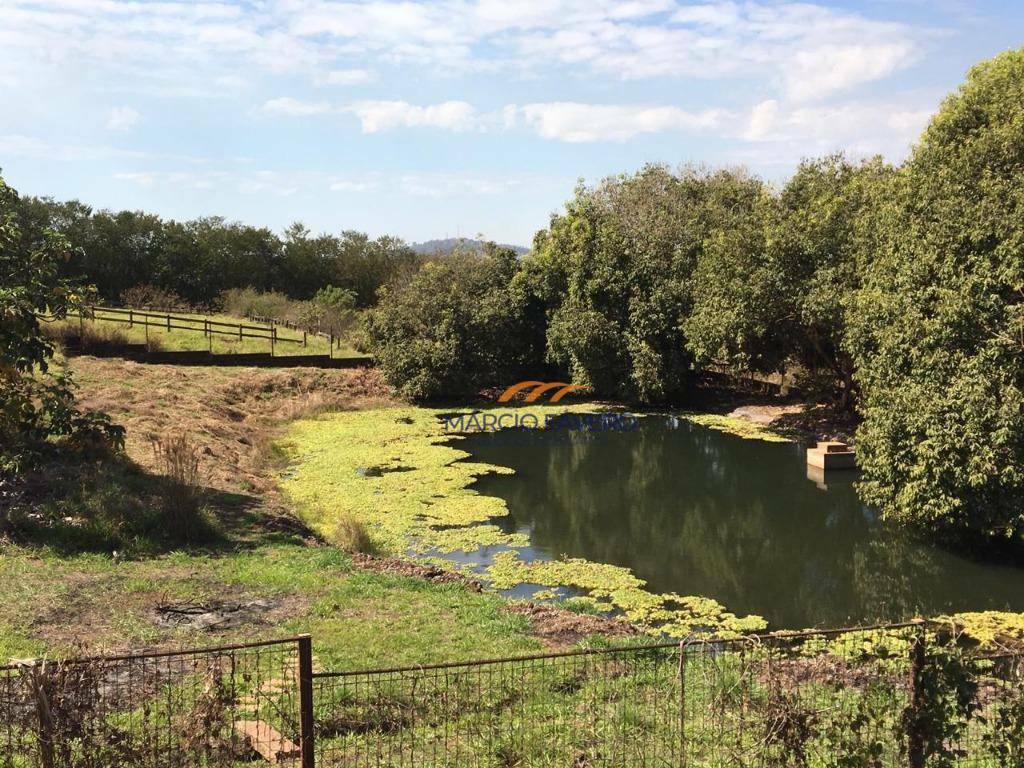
x: 231, y: 415
x: 179, y: 459
x: 70, y: 333
x: 351, y: 535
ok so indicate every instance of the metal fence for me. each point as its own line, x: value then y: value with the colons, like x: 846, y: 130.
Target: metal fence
x: 211, y: 707
x: 904, y: 696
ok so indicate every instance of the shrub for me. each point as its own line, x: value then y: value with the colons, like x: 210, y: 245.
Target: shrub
x: 458, y: 325
x: 179, y: 458
x: 36, y: 405
x: 147, y: 296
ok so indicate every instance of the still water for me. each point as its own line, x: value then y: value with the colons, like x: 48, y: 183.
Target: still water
x: 700, y: 512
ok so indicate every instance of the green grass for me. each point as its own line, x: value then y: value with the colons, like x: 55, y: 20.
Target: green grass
x: 358, y: 618
x: 195, y: 340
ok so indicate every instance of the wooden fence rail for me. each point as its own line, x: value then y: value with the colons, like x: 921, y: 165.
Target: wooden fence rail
x: 168, y: 321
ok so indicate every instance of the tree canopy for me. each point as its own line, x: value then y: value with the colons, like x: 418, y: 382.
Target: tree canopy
x: 200, y: 259
x: 939, y: 324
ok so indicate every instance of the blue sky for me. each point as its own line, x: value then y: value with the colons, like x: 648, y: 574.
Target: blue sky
x: 455, y: 117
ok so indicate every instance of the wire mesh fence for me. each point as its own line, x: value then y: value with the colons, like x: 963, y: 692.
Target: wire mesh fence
x: 850, y: 700
x: 910, y: 696
x: 216, y: 707
x: 615, y: 707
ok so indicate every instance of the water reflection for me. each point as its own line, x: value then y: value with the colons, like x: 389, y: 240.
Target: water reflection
x: 696, y: 511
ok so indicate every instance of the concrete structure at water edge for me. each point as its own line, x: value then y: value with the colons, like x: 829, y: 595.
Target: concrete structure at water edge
x: 832, y: 455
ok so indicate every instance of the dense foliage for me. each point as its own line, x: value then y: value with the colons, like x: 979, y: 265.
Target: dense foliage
x: 35, y: 403
x: 896, y: 291
x: 615, y: 272
x: 461, y: 323
x: 940, y: 323
x: 198, y: 260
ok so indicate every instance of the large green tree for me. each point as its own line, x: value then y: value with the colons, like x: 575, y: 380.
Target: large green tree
x: 774, y: 287
x: 616, y: 272
x: 939, y: 332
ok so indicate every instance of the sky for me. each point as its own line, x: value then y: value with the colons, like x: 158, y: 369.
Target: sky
x: 458, y: 117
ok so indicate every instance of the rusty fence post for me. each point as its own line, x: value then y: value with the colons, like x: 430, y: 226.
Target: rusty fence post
x: 306, y: 700
x: 915, y: 738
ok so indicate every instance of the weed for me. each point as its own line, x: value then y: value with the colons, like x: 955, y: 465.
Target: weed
x: 352, y: 536
x: 179, y: 457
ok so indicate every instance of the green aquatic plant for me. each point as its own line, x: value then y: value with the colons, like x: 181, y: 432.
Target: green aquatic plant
x: 399, y: 472
x: 733, y: 425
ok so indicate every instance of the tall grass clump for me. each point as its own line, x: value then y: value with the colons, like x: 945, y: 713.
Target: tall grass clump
x: 352, y: 536
x: 183, y: 515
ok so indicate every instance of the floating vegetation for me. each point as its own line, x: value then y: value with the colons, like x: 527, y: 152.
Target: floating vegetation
x: 418, y: 499
x: 733, y: 425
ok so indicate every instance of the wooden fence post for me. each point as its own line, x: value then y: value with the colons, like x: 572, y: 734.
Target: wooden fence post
x: 306, y: 701
x: 273, y: 340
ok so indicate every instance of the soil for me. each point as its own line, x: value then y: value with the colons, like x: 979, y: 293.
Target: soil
x: 558, y: 628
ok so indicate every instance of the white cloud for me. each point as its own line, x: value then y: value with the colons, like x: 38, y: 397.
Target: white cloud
x: 437, y: 185
x: 782, y: 135
x: 286, y: 106
x: 343, y: 77
x: 375, y: 116
x: 575, y: 122
x: 819, y: 72
x: 175, y: 44
x: 122, y: 119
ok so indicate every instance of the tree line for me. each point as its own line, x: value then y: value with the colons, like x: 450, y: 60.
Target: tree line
x: 898, y: 291
x: 197, y: 261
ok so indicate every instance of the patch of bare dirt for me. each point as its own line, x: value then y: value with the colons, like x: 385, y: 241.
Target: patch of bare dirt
x: 558, y: 628
x: 212, y: 614
x: 399, y: 567
x: 811, y: 421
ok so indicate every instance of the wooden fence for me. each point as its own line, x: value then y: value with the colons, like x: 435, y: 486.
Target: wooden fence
x: 168, y: 321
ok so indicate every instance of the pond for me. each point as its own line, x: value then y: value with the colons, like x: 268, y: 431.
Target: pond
x: 701, y: 512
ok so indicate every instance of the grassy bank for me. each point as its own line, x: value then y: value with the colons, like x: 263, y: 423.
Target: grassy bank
x: 89, y: 564
x: 176, y: 339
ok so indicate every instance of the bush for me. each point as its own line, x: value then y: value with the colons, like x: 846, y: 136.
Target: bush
x: 147, y: 296
x: 939, y: 332
x: 183, y: 516
x: 458, y: 325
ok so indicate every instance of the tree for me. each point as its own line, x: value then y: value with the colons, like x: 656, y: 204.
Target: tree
x: 36, y: 405
x: 457, y: 325
x: 616, y: 271
x: 939, y: 334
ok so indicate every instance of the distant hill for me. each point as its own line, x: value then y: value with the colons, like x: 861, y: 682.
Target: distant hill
x: 448, y: 244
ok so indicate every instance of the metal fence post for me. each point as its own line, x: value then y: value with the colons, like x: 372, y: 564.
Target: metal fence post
x: 682, y: 703
x: 915, y: 738
x: 306, y: 700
